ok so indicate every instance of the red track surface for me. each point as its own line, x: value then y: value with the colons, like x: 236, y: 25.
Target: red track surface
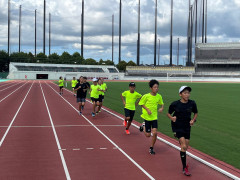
x: 29, y: 149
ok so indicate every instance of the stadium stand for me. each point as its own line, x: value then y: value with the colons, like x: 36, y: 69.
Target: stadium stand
x: 54, y: 71
x: 217, y: 59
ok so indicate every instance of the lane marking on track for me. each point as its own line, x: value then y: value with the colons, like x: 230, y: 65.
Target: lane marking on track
x: 89, y: 148
x: 77, y: 149
x: 123, y: 152
x: 10, y: 125
x: 176, y: 147
x: 10, y: 86
x: 103, y: 148
x: 12, y: 92
x: 58, y: 126
x: 56, y: 138
x: 7, y: 83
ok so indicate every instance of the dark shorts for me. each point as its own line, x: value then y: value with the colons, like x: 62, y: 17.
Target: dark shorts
x: 149, y: 125
x: 60, y: 87
x: 129, y: 113
x: 101, y: 97
x: 183, y: 133
x: 94, y: 99
x: 81, y: 100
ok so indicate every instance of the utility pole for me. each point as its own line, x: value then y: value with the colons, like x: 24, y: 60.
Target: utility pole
x: 120, y: 31
x: 138, y: 41
x: 112, y: 36
x: 203, y: 22
x: 44, y: 26
x: 158, y: 51
x: 171, y: 33
x: 35, y: 32
x: 49, y: 34
x: 206, y: 24
x: 155, y: 39
x: 20, y: 22
x: 9, y: 23
x: 82, y: 29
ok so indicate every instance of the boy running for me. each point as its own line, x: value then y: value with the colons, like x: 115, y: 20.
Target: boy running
x: 94, y: 94
x: 61, y: 84
x: 182, y: 122
x: 74, y: 82
x: 149, y: 103
x: 129, y: 105
x: 101, y: 93
x: 81, y: 89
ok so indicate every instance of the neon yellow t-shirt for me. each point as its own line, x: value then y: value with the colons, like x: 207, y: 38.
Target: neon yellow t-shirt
x: 74, y: 82
x: 103, y: 87
x: 131, y: 99
x: 94, y: 91
x: 61, y: 82
x: 151, y: 102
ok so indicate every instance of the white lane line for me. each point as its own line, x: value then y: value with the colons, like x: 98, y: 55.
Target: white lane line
x: 10, y: 86
x: 12, y: 92
x: 10, y: 125
x: 58, y: 126
x: 123, y: 152
x: 178, y: 148
x: 103, y: 148
x: 76, y: 149
x: 56, y: 138
x: 89, y: 148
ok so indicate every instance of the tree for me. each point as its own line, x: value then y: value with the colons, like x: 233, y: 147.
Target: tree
x: 131, y: 63
x: 90, y: 61
x: 77, y: 58
x: 41, y: 58
x: 54, y: 58
x: 122, y: 66
x: 66, y: 58
x: 4, y: 64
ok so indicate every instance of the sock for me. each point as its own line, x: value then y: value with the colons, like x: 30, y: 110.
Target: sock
x: 151, y: 147
x: 183, y: 158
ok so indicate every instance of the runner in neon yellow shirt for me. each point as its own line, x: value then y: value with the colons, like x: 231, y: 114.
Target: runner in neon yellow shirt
x: 74, y: 83
x: 61, y: 84
x: 94, y: 94
x: 130, y: 103
x: 149, y: 103
x: 103, y: 87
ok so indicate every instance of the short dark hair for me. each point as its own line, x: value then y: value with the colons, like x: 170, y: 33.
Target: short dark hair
x: 84, y: 77
x: 152, y: 82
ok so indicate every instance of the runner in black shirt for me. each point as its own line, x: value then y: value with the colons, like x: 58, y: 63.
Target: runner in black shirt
x: 81, y: 89
x: 182, y: 121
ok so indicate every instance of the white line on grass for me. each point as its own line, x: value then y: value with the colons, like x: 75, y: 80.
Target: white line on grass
x: 123, y: 152
x: 12, y: 92
x: 178, y: 148
x: 56, y: 138
x: 5, y: 134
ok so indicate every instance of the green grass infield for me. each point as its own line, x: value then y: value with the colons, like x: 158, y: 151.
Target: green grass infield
x: 216, y: 131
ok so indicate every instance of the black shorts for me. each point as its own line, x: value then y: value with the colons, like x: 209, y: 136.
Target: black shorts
x: 149, y: 125
x: 183, y: 133
x: 60, y: 87
x: 94, y: 99
x: 81, y: 100
x: 129, y: 113
x: 100, y: 98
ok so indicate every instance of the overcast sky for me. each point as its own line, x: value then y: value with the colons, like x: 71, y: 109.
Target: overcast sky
x: 223, y: 26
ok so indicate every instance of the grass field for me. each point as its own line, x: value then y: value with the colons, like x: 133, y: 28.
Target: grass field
x: 217, y: 129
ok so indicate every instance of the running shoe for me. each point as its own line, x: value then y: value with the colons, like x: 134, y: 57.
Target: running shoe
x: 125, y: 123
x: 97, y: 112
x: 151, y: 151
x: 127, y: 132
x: 186, y: 172
x: 93, y: 114
x: 80, y: 113
x: 141, y: 127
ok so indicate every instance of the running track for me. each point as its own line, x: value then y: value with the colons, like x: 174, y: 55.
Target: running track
x: 43, y: 137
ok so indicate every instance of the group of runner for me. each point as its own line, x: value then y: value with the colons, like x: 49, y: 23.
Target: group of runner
x: 179, y: 111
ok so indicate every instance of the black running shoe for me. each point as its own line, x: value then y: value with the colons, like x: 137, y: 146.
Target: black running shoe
x: 141, y: 127
x: 151, y: 151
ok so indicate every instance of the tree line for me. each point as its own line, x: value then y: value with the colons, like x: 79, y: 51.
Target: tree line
x: 64, y: 58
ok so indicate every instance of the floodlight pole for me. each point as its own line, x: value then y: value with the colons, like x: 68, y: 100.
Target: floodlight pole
x: 35, y: 32
x: 82, y: 29
x: 203, y: 22
x: 158, y: 51
x: 120, y: 30
x: 171, y: 37
x: 19, y: 36
x: 155, y: 39
x: 206, y: 24
x: 178, y: 53
x: 9, y: 25
x: 138, y: 41
x: 44, y: 26
x: 196, y: 1
x: 49, y: 33
x: 112, y: 36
